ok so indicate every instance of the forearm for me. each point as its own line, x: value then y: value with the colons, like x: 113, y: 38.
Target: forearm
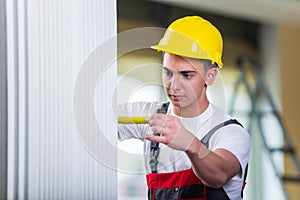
x: 207, y: 165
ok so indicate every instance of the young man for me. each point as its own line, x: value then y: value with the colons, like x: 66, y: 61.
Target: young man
x: 193, y: 150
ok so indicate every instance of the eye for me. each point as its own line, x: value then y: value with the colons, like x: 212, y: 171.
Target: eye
x: 168, y: 73
x: 187, y: 75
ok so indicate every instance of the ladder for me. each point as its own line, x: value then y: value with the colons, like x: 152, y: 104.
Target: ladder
x: 251, y: 78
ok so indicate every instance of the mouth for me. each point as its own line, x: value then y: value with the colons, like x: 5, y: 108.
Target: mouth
x: 176, y: 97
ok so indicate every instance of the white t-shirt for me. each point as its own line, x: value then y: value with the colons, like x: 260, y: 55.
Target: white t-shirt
x: 232, y: 137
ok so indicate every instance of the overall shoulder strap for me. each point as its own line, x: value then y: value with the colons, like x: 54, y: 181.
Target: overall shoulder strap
x: 154, y: 148
x: 206, y: 138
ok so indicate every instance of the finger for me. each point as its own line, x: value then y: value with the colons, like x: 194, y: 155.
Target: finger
x: 158, y: 120
x: 157, y: 115
x: 160, y: 116
x: 153, y: 138
x: 157, y: 129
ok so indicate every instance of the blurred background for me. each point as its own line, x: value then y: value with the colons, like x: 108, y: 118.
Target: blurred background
x: 64, y: 65
x: 261, y: 45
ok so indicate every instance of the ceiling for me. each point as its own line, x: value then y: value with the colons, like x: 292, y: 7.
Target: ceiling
x: 141, y: 13
x: 262, y: 11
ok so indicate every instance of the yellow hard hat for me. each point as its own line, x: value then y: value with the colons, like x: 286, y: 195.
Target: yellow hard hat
x: 193, y: 37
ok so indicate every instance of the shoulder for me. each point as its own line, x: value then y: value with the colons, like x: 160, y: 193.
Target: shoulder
x: 232, y: 136
x: 233, y: 132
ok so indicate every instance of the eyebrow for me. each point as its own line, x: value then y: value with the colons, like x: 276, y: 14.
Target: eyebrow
x: 180, y: 72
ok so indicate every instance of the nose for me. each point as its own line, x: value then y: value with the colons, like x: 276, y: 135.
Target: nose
x: 175, y: 83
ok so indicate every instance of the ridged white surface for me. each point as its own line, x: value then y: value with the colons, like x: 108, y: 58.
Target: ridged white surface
x: 49, y: 44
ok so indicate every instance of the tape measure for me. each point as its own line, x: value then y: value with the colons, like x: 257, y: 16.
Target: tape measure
x: 133, y: 120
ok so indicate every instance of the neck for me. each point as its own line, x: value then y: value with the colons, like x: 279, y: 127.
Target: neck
x: 193, y: 110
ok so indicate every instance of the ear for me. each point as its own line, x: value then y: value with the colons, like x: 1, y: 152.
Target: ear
x: 210, y: 76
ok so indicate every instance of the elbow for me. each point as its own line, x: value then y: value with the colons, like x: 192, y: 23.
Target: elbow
x: 217, y: 181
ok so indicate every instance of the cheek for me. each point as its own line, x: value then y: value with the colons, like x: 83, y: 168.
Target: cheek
x: 165, y: 81
x: 196, y: 87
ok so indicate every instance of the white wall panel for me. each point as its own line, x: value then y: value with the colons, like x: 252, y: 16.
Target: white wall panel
x: 50, y: 44
x: 3, y: 101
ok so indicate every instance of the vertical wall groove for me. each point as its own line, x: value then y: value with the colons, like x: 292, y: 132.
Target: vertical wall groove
x: 15, y: 102
x: 26, y: 112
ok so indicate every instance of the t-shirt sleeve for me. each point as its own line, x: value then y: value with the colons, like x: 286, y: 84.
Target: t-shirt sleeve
x: 137, y: 131
x: 234, y: 139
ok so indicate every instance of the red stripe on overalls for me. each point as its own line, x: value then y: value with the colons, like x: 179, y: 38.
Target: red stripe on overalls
x: 173, y: 180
